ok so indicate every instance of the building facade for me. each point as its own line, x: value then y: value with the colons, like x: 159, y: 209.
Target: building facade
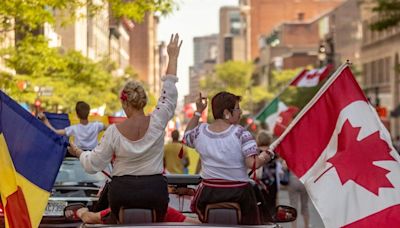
x: 232, y: 40
x: 144, y: 53
x: 262, y: 16
x: 380, y: 52
x: 205, y: 53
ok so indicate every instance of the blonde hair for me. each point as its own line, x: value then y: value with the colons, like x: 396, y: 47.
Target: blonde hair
x: 264, y: 138
x: 135, y: 94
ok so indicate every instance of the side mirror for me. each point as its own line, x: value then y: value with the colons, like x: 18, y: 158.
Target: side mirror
x: 284, y: 214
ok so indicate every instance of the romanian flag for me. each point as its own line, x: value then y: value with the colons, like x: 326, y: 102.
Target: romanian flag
x: 30, y: 157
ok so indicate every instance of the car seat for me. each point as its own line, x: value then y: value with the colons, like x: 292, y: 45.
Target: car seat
x: 223, y: 213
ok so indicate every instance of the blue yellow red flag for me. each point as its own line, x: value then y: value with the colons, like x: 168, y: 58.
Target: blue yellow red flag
x: 30, y: 157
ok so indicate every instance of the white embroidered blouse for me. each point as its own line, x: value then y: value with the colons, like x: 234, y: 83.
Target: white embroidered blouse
x: 222, y: 153
x: 140, y: 157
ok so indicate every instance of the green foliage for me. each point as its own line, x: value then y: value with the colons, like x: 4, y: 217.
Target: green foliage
x: 34, y: 13
x: 136, y: 10
x: 296, y: 96
x: 72, y: 76
x: 280, y: 79
x: 389, y: 14
x: 234, y: 77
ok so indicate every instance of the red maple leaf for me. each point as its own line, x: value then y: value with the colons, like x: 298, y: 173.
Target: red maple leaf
x: 354, y: 159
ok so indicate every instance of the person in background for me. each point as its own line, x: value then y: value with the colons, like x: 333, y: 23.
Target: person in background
x: 226, y: 150
x: 175, y: 155
x: 270, y: 172
x: 297, y: 191
x: 137, y: 144
x: 85, y: 133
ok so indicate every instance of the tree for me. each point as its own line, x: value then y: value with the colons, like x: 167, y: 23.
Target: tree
x: 234, y: 77
x: 296, y: 96
x: 389, y: 14
x: 34, y: 13
x: 71, y: 75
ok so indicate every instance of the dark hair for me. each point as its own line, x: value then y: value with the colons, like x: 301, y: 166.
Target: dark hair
x: 222, y: 101
x: 175, y: 135
x: 264, y: 138
x: 82, y: 110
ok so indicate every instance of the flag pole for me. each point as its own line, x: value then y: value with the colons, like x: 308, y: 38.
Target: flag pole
x: 310, y: 103
x: 278, y: 95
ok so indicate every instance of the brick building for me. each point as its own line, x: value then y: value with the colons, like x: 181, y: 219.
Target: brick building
x: 144, y: 53
x: 262, y: 16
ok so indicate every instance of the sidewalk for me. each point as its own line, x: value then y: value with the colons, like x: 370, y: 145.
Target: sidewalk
x: 315, y: 219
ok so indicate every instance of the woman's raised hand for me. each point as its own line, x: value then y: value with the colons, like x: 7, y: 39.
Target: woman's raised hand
x: 201, y: 103
x: 174, y: 46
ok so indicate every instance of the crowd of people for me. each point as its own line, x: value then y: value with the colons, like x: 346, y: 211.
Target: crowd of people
x: 135, y: 147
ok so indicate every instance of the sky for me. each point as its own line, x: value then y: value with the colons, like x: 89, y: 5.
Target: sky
x: 193, y: 18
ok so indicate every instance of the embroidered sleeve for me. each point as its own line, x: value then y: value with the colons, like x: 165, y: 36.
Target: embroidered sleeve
x: 249, y: 145
x: 97, y: 160
x: 190, y: 137
x: 166, y: 104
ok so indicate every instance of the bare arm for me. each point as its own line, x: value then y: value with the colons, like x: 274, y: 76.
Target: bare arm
x: 261, y: 159
x: 201, y: 104
x: 166, y: 104
x: 88, y: 216
x: 46, y: 121
x: 173, y: 53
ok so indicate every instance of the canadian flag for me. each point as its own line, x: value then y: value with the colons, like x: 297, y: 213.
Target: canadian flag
x: 312, y: 77
x: 341, y: 151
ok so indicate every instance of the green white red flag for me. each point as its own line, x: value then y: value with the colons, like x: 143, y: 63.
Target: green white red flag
x: 277, y: 115
x: 342, y: 152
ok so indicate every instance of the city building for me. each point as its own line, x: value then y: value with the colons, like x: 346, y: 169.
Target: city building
x: 290, y: 45
x: 262, y: 16
x: 314, y: 42
x: 205, y: 52
x: 232, y: 40
x: 204, y: 48
x: 119, y: 43
x: 380, y: 60
x: 144, y: 53
x: 73, y: 36
x: 340, y: 31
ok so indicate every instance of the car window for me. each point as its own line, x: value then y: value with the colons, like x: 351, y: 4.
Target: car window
x: 71, y: 171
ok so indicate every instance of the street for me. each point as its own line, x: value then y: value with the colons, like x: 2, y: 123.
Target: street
x: 315, y: 219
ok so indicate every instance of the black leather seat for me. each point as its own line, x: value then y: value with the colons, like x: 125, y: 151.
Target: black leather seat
x: 223, y: 213
x: 136, y: 215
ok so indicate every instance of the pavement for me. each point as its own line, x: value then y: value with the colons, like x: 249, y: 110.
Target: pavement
x: 315, y: 219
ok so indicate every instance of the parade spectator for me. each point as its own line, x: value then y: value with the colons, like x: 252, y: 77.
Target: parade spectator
x: 270, y: 172
x: 137, y: 144
x: 85, y: 133
x: 297, y: 192
x: 175, y: 162
x: 226, y: 150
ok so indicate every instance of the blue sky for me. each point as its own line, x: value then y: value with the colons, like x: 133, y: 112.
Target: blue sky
x: 194, y: 18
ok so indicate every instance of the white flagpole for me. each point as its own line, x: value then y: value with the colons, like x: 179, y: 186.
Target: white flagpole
x: 309, y: 104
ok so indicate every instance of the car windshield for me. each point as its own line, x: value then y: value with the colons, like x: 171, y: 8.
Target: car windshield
x: 71, y: 172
